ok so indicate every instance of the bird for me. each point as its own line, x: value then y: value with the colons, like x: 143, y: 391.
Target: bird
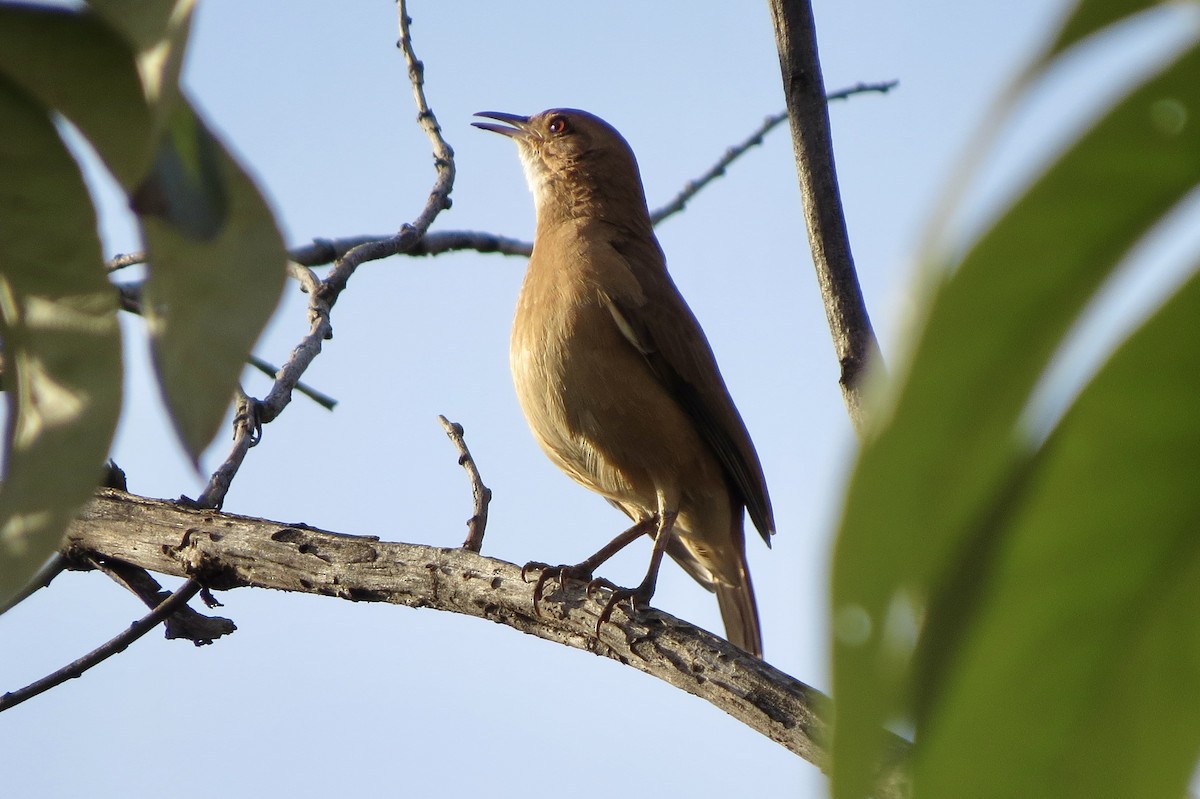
x: 616, y: 378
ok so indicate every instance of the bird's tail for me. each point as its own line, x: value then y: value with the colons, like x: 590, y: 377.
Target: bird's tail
x: 740, y: 612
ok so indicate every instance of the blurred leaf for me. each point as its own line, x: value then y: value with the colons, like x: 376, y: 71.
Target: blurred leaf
x: 78, y: 66
x: 61, y: 341
x: 215, y: 277
x: 158, y: 31
x: 217, y: 261
x: 1090, y: 16
x: 1080, y: 674
x: 208, y: 299
x: 184, y: 187
x: 927, y: 505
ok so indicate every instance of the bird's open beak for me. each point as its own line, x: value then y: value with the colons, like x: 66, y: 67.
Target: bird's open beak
x: 519, y: 125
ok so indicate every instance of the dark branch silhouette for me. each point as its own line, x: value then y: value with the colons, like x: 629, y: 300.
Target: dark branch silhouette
x: 104, y: 652
x: 808, y: 109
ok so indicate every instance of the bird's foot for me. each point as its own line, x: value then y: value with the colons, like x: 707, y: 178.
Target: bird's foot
x: 638, y: 598
x: 579, y: 571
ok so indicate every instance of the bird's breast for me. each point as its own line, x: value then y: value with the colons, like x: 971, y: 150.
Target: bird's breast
x: 561, y: 354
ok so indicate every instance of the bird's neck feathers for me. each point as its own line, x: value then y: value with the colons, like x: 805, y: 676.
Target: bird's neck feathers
x: 579, y: 190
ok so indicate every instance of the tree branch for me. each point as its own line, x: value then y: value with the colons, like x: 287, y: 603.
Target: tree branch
x: 224, y: 551
x: 853, y: 339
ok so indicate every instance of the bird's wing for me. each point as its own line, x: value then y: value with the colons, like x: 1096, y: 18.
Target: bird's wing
x: 658, y: 323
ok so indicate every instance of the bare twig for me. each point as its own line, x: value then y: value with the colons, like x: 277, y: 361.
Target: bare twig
x: 115, y: 646
x: 248, y: 419
x: 481, y: 495
x: 122, y: 260
x: 184, y: 623
x: 439, y: 197
x: 693, y: 187
x: 881, y: 87
x: 437, y: 242
x: 320, y: 252
x: 324, y: 293
x: 853, y: 339
x: 270, y: 370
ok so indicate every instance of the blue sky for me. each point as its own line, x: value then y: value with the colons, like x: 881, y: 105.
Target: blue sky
x: 313, y: 695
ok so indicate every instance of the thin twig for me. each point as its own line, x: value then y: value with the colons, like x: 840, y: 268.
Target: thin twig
x: 439, y: 197
x: 481, y: 495
x: 115, y: 646
x: 184, y: 623
x: 324, y: 293
x: 882, y: 87
x: 247, y: 430
x: 438, y: 242
x: 122, y: 260
x: 693, y: 187
x: 270, y: 370
x: 808, y: 109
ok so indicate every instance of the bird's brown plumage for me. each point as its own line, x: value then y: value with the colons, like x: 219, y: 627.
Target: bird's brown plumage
x: 613, y: 372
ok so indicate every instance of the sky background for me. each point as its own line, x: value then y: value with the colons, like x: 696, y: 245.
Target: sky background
x: 314, y: 695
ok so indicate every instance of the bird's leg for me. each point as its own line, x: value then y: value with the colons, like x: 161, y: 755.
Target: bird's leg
x: 640, y: 596
x: 584, y: 569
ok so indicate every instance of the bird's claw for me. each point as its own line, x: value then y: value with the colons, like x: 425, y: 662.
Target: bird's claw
x: 595, y: 585
x: 558, y: 573
x: 638, y: 598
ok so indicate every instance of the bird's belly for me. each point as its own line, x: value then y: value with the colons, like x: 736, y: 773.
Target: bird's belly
x: 601, y: 415
x: 569, y: 417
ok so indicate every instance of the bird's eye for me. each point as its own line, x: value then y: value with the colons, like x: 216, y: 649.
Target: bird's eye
x: 559, y: 125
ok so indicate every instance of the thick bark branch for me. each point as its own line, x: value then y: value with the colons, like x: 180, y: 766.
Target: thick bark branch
x: 225, y: 551
x: 853, y: 339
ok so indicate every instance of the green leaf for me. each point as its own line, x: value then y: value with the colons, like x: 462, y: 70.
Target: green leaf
x: 61, y: 340
x: 1080, y: 674
x: 1090, y: 16
x: 208, y: 298
x: 925, y: 510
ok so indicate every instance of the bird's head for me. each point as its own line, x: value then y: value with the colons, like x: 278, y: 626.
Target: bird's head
x: 576, y: 164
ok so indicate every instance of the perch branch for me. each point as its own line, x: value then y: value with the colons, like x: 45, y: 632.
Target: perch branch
x: 224, y: 551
